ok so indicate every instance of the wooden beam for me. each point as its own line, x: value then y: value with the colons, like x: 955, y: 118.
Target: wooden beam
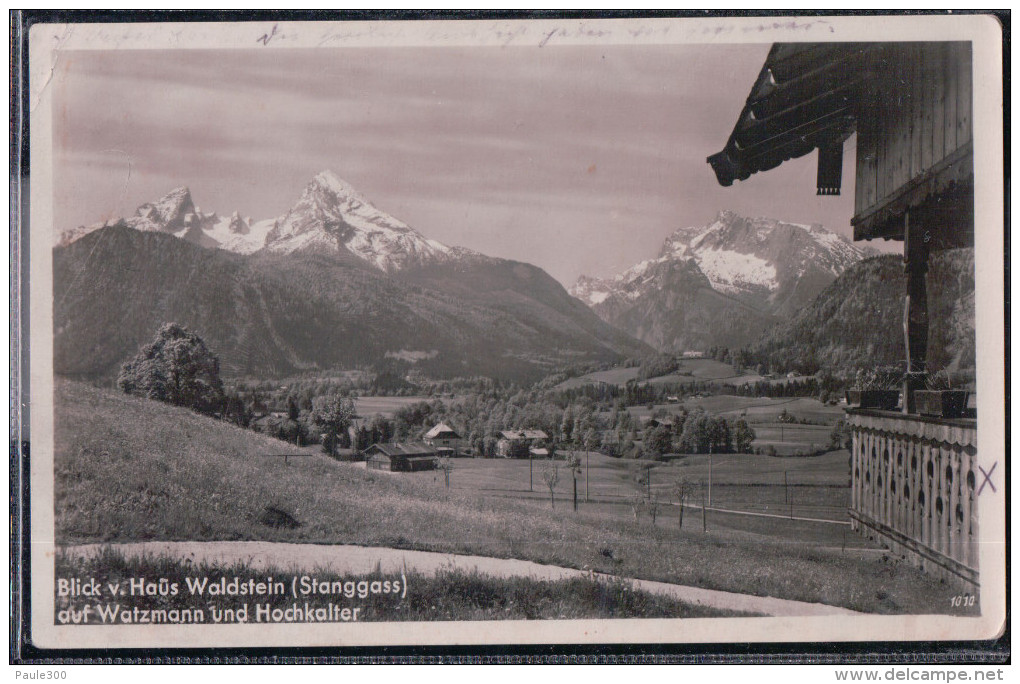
x: 916, y: 246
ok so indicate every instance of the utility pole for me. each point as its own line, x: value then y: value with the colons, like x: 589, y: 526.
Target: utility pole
x: 704, y: 509
x: 531, y: 472
x: 710, y: 474
x: 790, y: 496
x: 587, y: 471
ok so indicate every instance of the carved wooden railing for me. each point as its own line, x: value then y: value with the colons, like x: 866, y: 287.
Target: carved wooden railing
x: 912, y: 488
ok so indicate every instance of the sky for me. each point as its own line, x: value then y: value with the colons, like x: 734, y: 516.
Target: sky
x: 579, y: 159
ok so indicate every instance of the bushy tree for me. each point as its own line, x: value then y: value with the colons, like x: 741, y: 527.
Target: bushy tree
x: 841, y: 436
x: 695, y: 438
x: 743, y: 435
x: 177, y: 368
x: 332, y: 414
x: 659, y: 441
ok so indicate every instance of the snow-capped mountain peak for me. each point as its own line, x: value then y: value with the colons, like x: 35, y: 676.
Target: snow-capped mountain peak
x: 330, y: 214
x: 755, y: 259
x: 329, y: 181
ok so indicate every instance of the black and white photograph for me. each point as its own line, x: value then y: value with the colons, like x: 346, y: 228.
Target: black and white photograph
x: 517, y: 331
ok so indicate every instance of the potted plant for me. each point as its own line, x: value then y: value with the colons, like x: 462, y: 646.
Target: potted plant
x: 940, y: 399
x: 875, y: 388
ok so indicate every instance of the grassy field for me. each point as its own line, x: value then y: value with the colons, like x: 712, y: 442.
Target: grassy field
x: 690, y: 370
x: 613, y: 376
x: 129, y: 469
x: 762, y: 414
x: 368, y: 407
x: 447, y: 595
x: 802, y: 487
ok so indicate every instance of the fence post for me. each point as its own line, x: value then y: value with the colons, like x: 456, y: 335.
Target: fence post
x: 704, y: 510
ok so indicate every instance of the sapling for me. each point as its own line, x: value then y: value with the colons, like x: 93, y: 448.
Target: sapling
x: 551, y: 475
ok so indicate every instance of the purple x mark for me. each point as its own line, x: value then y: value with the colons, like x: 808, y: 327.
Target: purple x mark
x: 988, y: 476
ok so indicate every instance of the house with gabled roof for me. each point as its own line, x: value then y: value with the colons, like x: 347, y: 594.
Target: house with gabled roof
x: 517, y: 442
x: 444, y: 439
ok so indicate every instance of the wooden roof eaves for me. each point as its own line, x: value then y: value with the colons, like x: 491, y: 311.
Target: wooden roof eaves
x: 812, y: 69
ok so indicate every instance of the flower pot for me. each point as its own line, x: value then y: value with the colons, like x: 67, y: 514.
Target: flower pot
x: 941, y: 403
x: 885, y: 400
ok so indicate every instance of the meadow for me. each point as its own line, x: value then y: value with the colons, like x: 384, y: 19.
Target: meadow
x: 129, y: 469
x: 367, y: 407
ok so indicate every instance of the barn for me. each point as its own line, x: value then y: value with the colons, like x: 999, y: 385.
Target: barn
x: 400, y: 458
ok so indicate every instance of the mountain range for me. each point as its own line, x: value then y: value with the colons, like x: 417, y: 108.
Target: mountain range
x: 333, y: 283
x: 330, y: 215
x: 857, y: 321
x: 721, y: 284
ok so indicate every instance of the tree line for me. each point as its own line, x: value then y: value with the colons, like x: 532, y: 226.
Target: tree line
x: 178, y: 368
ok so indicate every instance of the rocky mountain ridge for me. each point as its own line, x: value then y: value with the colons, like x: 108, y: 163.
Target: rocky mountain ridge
x: 752, y: 271
x: 330, y: 214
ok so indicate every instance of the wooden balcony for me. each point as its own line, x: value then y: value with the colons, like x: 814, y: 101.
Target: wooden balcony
x: 912, y: 488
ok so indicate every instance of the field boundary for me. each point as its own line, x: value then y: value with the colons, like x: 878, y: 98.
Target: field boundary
x: 763, y: 515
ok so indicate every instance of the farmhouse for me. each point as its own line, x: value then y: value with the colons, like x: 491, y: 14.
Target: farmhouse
x: 517, y: 442
x: 444, y: 438
x: 400, y: 458
x: 912, y: 471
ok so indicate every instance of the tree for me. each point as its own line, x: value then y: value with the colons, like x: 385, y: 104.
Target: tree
x: 743, y: 435
x: 653, y: 507
x: 841, y: 437
x: 332, y: 414
x: 235, y: 411
x: 518, y: 449
x: 574, y: 466
x: 695, y: 436
x: 681, y: 489
x: 719, y: 438
x: 591, y: 441
x: 445, y: 464
x: 176, y: 368
x: 659, y: 441
x: 551, y: 475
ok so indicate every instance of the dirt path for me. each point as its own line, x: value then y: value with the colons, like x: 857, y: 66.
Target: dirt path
x: 362, y: 560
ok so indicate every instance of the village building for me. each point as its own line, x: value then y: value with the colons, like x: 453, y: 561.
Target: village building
x: 514, y: 442
x: 444, y: 439
x: 400, y: 458
x: 912, y: 475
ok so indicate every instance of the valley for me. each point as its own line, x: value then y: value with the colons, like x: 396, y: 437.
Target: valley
x: 693, y: 400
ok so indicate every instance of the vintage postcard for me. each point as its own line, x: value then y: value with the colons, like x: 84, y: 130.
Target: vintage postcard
x: 517, y: 332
